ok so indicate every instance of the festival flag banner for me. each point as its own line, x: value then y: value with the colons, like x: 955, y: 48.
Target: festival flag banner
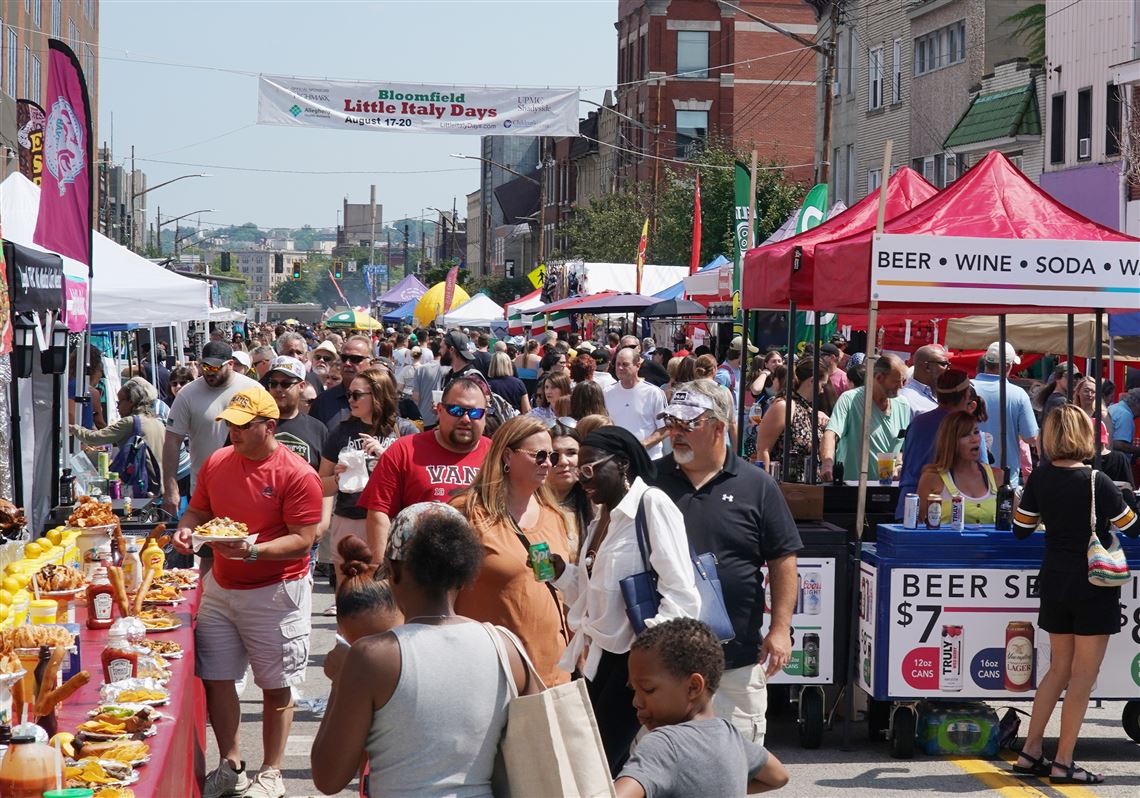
x: 814, y: 209
x: 695, y: 260
x: 30, y: 139
x: 518, y: 322
x: 75, y: 302
x: 67, y: 191
x: 641, y: 252
x: 449, y: 289
x: 538, y: 326
x: 559, y: 320
x: 743, y: 227
x: 416, y: 107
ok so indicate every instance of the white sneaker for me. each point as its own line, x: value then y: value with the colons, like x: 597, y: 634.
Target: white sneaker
x: 329, y: 611
x: 267, y: 784
x: 225, y: 781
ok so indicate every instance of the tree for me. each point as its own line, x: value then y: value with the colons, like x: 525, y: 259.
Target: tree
x: 235, y: 295
x: 438, y: 273
x: 292, y: 291
x: 1029, y: 26
x: 609, y: 229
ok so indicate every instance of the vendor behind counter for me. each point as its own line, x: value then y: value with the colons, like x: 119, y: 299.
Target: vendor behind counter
x: 958, y: 470
x: 136, y: 401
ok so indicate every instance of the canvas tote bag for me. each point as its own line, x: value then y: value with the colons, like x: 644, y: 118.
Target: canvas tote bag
x: 551, y: 746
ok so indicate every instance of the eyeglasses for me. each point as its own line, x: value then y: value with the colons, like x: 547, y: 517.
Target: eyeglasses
x: 208, y: 369
x: 355, y: 359
x: 257, y: 363
x: 179, y: 383
x: 247, y: 425
x: 284, y: 385
x: 459, y: 411
x: 586, y: 470
x: 942, y: 364
x: 356, y: 396
x: 541, y: 456
x: 324, y: 358
x: 672, y: 422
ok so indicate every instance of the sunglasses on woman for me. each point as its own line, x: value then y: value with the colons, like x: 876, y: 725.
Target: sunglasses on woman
x: 459, y: 411
x: 586, y: 470
x: 355, y: 396
x: 541, y: 456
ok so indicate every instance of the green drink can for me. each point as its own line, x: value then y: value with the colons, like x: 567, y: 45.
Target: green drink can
x: 104, y: 463
x: 540, y: 562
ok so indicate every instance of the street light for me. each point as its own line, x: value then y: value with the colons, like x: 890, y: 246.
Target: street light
x: 160, y: 222
x: 493, y: 163
x: 136, y: 194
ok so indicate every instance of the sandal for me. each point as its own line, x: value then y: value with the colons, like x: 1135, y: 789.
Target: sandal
x: 1071, y: 777
x: 1038, y: 766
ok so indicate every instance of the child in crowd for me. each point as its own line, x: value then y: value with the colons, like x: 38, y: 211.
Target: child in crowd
x: 674, y: 669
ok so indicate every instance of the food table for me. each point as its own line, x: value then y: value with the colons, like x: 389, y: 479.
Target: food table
x: 953, y: 615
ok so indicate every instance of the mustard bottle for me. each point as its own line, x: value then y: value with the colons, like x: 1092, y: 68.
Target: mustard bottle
x: 153, y: 557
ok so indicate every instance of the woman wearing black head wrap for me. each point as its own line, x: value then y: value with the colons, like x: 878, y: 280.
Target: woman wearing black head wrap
x: 613, y: 468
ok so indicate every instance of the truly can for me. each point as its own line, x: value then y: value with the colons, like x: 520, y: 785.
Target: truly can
x: 811, y: 655
x: 950, y: 660
x: 1019, y: 656
x: 957, y: 513
x: 812, y: 590
x: 934, y: 511
x: 103, y: 463
x: 910, y: 511
x: 799, y: 594
x: 540, y: 561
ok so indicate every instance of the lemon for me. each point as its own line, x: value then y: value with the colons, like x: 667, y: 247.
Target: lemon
x: 32, y: 550
x: 14, y: 567
x: 10, y: 584
x: 66, y: 743
x: 55, y: 535
x: 4, y: 611
x: 5, y: 597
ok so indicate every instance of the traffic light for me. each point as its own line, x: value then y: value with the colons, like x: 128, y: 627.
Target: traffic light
x: 338, y: 269
x: 278, y: 263
x: 225, y: 261
x: 297, y: 270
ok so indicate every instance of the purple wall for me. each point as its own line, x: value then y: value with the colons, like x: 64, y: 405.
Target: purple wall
x: 1093, y: 190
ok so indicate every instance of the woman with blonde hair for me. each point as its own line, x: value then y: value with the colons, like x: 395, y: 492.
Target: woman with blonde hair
x: 958, y: 470
x: 510, y: 508
x: 1071, y: 501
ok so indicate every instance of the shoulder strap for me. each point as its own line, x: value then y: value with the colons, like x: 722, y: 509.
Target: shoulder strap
x: 948, y: 482
x: 497, y: 633
x: 989, y: 472
x: 137, y: 425
x: 642, y: 527
x: 1092, y: 501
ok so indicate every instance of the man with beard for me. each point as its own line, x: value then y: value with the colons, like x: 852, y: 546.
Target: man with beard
x: 738, y: 513
x: 194, y: 415
x: 299, y: 432
x: 456, y: 353
x: 323, y: 358
x: 432, y: 466
x: 891, y: 415
x: 355, y: 357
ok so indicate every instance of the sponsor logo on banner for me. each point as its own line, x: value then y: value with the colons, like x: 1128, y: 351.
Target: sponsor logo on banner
x: 1001, y: 271
x: 417, y: 108
x: 30, y: 137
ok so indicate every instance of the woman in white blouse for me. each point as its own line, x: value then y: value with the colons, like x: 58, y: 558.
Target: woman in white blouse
x: 613, y: 470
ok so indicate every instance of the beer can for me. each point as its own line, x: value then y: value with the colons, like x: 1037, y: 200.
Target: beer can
x: 910, y: 511
x: 799, y: 593
x: 104, y: 463
x: 934, y: 511
x: 1019, y: 656
x: 950, y: 660
x: 540, y: 562
x: 812, y: 590
x: 811, y: 655
x: 957, y: 513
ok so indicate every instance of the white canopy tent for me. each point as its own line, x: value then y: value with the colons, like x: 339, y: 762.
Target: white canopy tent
x: 479, y: 311
x: 1045, y: 333
x: 623, y: 277
x: 126, y: 288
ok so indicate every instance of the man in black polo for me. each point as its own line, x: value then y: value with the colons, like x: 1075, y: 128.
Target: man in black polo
x: 735, y: 510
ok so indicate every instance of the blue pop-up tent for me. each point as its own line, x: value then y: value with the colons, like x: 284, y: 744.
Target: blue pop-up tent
x: 406, y: 311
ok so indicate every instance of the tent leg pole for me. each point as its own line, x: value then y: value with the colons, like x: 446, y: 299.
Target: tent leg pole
x: 868, y: 405
x: 810, y: 472
x: 1003, y: 460
x: 740, y: 389
x: 1097, y: 401
x: 15, y: 454
x: 1069, y: 355
x: 785, y: 458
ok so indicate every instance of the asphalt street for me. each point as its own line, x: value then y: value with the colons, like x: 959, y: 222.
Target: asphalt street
x: 863, y: 769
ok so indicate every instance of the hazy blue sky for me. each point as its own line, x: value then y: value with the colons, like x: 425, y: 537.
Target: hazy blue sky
x: 176, y: 74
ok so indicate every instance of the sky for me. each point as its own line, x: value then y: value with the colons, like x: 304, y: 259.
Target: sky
x: 178, y: 81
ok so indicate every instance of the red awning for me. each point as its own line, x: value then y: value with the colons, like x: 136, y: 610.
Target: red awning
x: 768, y: 280
x: 992, y: 200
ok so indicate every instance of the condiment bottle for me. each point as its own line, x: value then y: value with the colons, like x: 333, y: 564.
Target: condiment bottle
x: 132, y: 568
x: 29, y: 768
x: 66, y: 488
x: 119, y: 660
x: 153, y: 557
x: 114, y: 485
x: 100, y: 602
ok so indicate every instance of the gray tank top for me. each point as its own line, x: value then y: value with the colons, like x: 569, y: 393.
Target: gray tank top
x: 438, y: 734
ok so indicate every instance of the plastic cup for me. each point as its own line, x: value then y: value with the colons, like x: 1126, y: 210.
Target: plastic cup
x: 42, y: 611
x: 886, y: 467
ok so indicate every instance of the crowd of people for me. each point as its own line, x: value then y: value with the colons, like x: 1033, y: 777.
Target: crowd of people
x: 416, y: 469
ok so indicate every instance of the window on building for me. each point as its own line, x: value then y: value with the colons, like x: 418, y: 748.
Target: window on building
x: 1057, y: 129
x: 849, y: 188
x: 622, y: 77
x: 925, y: 167
x: 693, y: 53
x: 1084, y: 124
x: 56, y: 17
x: 940, y: 48
x: 949, y: 169
x: 1112, y: 120
x: 72, y: 34
x: 836, y: 174
x: 38, y: 13
x: 692, y: 131
x: 12, y: 61
x: 841, y: 45
x: 874, y: 179
x: 851, y: 64
x: 644, y: 56
x: 26, y: 86
x: 896, y: 73
x: 35, y: 80
x: 875, y: 78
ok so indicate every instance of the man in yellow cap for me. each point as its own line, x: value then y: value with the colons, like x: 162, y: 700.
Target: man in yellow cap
x: 257, y: 600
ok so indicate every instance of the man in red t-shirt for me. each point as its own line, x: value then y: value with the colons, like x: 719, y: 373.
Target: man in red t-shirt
x: 257, y: 600
x: 432, y: 466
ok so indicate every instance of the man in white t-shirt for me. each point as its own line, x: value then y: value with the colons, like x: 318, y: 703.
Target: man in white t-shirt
x: 636, y: 404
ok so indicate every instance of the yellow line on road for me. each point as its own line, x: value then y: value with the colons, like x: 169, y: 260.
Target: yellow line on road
x: 999, y: 778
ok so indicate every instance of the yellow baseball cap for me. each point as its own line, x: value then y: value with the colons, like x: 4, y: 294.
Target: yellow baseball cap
x: 249, y: 404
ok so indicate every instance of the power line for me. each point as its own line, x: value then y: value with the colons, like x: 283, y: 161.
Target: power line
x: 308, y: 171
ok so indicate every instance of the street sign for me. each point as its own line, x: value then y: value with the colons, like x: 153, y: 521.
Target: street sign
x: 538, y: 276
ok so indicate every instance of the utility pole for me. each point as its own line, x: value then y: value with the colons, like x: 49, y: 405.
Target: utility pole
x: 372, y: 238
x: 454, y: 225
x: 406, y: 272
x: 388, y: 262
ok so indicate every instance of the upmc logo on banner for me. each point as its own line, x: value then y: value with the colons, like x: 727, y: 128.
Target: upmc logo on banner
x: 1002, y: 271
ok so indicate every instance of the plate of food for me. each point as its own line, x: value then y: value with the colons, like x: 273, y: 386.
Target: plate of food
x: 114, y: 792
x: 92, y: 773
x: 135, y: 691
x: 131, y: 752
x: 119, y: 722
x: 27, y: 639
x: 222, y: 530
x: 181, y: 578
x: 167, y: 649
x: 58, y: 581
x: 163, y: 595
x: 90, y: 513
x: 159, y: 621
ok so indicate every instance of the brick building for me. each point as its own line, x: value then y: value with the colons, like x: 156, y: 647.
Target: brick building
x: 693, y: 70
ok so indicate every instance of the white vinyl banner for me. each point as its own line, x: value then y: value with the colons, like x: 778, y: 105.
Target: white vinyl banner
x: 416, y: 108
x: 1002, y: 271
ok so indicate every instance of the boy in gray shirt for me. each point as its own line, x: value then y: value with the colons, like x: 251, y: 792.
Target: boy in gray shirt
x: 674, y: 669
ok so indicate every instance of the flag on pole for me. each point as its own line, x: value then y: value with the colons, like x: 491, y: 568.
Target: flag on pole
x: 695, y: 260
x: 449, y: 288
x: 641, y: 252
x: 66, y: 195
x: 538, y: 326
x: 559, y: 320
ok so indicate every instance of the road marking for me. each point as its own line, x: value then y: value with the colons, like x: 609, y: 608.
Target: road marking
x: 299, y: 744
x: 998, y: 779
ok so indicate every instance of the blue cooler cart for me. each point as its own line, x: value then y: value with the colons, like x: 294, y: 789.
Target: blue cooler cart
x: 953, y: 616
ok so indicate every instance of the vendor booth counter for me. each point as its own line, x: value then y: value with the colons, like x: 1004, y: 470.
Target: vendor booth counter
x: 948, y: 615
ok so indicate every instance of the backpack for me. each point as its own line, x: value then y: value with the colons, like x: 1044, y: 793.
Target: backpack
x: 137, y: 466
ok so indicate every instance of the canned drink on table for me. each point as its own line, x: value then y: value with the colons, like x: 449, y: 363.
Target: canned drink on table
x: 540, y: 562
x: 812, y: 591
x: 957, y: 513
x: 910, y: 511
x: 950, y: 660
x: 104, y: 463
x: 934, y: 511
x: 811, y: 655
x: 799, y: 594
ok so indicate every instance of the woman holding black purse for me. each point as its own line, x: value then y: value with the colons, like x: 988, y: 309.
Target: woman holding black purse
x: 613, y: 470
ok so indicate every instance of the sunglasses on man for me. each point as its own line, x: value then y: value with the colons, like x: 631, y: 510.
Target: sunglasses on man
x: 355, y: 359
x: 208, y: 369
x: 459, y: 411
x: 283, y: 385
x: 325, y: 358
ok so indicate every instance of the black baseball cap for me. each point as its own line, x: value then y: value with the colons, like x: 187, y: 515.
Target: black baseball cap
x: 215, y: 353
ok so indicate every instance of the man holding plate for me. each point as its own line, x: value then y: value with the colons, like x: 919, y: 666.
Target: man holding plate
x: 257, y: 600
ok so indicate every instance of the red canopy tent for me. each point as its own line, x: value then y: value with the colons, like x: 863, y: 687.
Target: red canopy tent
x: 768, y: 281
x: 992, y: 200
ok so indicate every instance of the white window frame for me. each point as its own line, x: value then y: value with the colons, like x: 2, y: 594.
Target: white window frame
x: 928, y: 173
x: 27, y: 71
x: 56, y: 18
x: 13, y: 61
x: 896, y: 73
x: 852, y: 63
x: 849, y: 188
x: 874, y: 179
x: 690, y: 71
x: 949, y: 168
x: 36, y: 75
x: 874, y: 78
x: 836, y: 171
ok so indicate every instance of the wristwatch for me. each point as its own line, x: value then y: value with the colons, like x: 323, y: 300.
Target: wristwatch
x: 252, y: 556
